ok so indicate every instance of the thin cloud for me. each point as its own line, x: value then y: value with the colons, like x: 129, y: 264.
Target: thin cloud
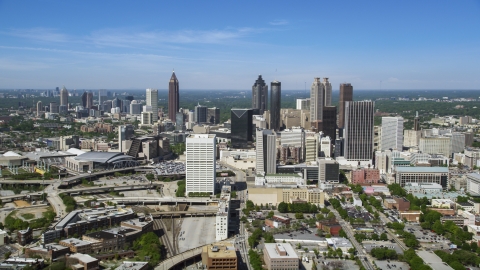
x: 39, y: 34
x: 278, y: 22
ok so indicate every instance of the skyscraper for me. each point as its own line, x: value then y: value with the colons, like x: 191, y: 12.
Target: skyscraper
x: 346, y: 94
x: 327, y: 98
x: 416, y: 122
x: 266, y: 152
x: 39, y: 108
x: 275, y: 105
x: 64, y: 96
x: 152, y: 100
x: 260, y: 95
x: 173, y: 97
x: 241, y: 131
x: 200, y: 114
x: 329, y: 122
x: 213, y: 115
x: 89, y: 103
x: 359, y: 130
x: 135, y: 107
x: 200, y: 165
x: 125, y: 132
x: 317, y: 94
x: 392, y: 133
x: 102, y: 97
x: 84, y: 99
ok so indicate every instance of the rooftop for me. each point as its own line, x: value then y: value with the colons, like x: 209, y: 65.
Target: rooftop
x: 220, y: 250
x: 422, y: 169
x: 75, y: 242
x: 126, y: 265
x: 271, y: 248
x: 85, y: 258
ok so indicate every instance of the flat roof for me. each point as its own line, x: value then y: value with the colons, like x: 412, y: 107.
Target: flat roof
x: 222, y: 250
x: 76, y: 242
x: 271, y: 248
x: 432, y: 260
x: 422, y: 169
x: 84, y: 257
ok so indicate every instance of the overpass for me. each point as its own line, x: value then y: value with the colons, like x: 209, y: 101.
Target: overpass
x: 184, y: 214
x: 190, y: 254
x: 160, y: 200
x: 111, y: 188
x: 26, y: 182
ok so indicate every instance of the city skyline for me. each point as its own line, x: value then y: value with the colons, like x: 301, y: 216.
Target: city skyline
x: 128, y: 46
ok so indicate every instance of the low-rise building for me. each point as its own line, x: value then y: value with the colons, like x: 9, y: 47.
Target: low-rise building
x: 24, y: 236
x: 220, y: 256
x: 280, y: 256
x: 20, y: 263
x: 396, y: 202
x: 49, y: 251
x: 467, y: 206
x: 443, y: 203
x: 76, y: 245
x: 365, y: 176
x: 277, y: 222
x: 411, y: 216
x: 458, y: 220
x: 340, y: 243
x: 80, y: 261
x: 274, y: 196
x: 126, y: 265
x: 330, y: 226
x: 437, y: 175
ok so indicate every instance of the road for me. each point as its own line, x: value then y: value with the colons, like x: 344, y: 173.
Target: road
x: 392, y: 235
x: 361, y: 253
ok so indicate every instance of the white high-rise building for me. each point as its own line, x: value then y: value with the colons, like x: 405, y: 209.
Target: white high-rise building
x: 311, y: 148
x: 200, y: 163
x: 266, y: 151
x: 326, y: 146
x: 435, y: 145
x: 152, y: 100
x: 303, y: 104
x: 327, y: 98
x: 392, y: 133
x: 221, y: 219
x: 317, y: 94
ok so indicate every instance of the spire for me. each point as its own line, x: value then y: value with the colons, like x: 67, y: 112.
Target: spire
x: 174, y: 77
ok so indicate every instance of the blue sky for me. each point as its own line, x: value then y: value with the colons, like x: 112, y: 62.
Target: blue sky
x: 226, y: 44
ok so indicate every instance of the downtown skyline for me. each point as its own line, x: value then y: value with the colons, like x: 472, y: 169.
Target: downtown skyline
x: 406, y: 45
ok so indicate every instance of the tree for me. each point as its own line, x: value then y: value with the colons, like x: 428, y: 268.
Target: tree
x: 299, y: 215
x: 438, y: 227
x: 383, y: 237
x: 270, y: 214
x: 282, y: 207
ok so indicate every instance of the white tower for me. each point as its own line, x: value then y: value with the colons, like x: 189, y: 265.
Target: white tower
x: 200, y: 163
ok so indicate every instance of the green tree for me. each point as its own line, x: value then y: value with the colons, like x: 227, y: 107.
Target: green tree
x: 282, y: 207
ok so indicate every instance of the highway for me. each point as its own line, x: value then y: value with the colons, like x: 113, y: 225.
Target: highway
x: 361, y: 253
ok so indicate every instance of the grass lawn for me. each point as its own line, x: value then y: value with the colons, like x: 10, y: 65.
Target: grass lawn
x: 28, y: 216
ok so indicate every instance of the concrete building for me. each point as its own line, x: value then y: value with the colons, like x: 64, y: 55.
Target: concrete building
x: 135, y: 107
x: 64, y: 96
x: 365, y: 176
x: 473, y: 184
x: 24, y: 236
x: 303, y: 104
x: 438, y: 175
x: 200, y: 163
x: 49, y: 251
x: 435, y: 145
x: 223, y: 213
x: 274, y: 196
x: 411, y: 138
x: 358, y: 133
x: 133, y: 265
x: 220, y: 256
x: 266, y: 152
x: 152, y: 100
x: 280, y: 256
x: 317, y: 102
x: 82, y: 262
x: 328, y: 171
x: 326, y: 147
x: 392, y: 133
x: 311, y: 148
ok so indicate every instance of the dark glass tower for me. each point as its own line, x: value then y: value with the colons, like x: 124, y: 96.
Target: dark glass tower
x: 329, y: 122
x: 359, y: 130
x: 242, y: 127
x: 260, y: 95
x: 173, y: 97
x: 275, y: 104
x: 346, y: 94
x: 84, y: 99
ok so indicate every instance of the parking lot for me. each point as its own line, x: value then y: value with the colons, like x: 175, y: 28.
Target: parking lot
x: 169, y: 168
x: 394, y: 265
x: 428, y: 239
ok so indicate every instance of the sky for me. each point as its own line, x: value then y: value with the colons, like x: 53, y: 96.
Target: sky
x: 227, y: 44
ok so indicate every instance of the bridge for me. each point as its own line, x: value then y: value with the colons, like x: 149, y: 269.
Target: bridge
x: 184, y: 214
x: 26, y: 182
x: 160, y: 200
x: 111, y: 188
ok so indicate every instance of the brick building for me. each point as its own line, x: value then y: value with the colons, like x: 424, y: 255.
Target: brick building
x: 220, y: 256
x: 49, y: 251
x: 365, y: 176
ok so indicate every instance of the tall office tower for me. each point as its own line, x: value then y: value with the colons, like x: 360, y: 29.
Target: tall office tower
x: 135, y: 107
x: 317, y: 93
x: 200, y: 165
x: 392, y: 133
x: 275, y: 105
x: 329, y: 122
x: 416, y: 122
x: 125, y: 132
x: 213, y: 115
x: 89, y: 103
x: 62, y: 109
x: 39, y: 108
x: 102, y: 97
x: 303, y: 104
x: 152, y: 100
x: 64, y: 96
x: 346, y: 94
x: 129, y: 98
x: 126, y: 106
x: 53, y: 107
x: 173, y: 97
x: 200, y: 114
x: 260, y: 95
x: 266, y: 152
x: 107, y: 105
x: 84, y: 99
x: 179, y: 123
x: 116, y: 103
x: 327, y: 98
x: 377, y: 138
x: 241, y: 131
x: 359, y: 130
